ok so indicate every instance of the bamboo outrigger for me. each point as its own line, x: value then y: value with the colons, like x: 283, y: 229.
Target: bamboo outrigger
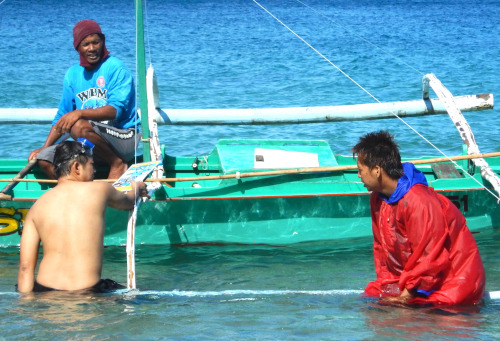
x: 354, y: 112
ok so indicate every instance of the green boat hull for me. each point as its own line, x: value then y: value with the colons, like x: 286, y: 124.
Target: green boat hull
x: 275, y: 210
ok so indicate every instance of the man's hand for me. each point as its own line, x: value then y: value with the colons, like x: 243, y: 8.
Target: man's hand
x: 66, y: 122
x: 401, y: 299
x: 34, y: 154
x: 139, y: 189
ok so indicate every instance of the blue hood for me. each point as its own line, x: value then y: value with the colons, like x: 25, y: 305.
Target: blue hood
x: 412, y: 176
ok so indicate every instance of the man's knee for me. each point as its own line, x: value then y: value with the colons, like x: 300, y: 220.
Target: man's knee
x: 81, y: 129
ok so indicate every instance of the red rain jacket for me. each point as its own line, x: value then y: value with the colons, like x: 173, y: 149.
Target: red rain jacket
x: 422, y: 242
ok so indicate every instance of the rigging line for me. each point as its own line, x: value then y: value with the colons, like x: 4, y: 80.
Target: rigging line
x: 341, y: 71
x: 315, y: 50
x: 372, y: 96
x: 361, y: 37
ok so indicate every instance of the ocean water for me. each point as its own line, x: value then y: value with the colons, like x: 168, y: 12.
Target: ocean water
x: 232, y: 54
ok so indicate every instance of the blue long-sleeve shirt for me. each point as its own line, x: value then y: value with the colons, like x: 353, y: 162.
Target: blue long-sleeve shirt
x: 111, y: 83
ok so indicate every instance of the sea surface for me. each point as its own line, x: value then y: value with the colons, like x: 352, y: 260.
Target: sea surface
x: 233, y: 54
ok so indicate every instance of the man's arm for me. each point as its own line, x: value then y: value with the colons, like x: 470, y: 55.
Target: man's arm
x: 53, y: 136
x: 384, y: 276
x: 66, y: 122
x: 126, y: 201
x: 30, y: 243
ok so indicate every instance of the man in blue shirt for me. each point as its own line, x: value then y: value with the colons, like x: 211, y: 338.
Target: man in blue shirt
x: 98, y: 103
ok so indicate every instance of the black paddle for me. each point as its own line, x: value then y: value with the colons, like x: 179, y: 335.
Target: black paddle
x: 12, y: 184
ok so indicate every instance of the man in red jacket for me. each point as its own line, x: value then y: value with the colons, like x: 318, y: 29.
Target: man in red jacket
x: 424, y: 253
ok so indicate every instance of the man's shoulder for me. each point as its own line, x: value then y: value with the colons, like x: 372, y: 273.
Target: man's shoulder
x: 115, y: 72
x: 421, y: 189
x: 74, y: 69
x: 86, y: 190
x: 99, y: 185
x: 422, y: 195
x: 79, y: 186
x: 114, y: 63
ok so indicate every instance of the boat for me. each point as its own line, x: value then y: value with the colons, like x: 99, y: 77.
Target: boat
x: 252, y: 191
x: 222, y: 198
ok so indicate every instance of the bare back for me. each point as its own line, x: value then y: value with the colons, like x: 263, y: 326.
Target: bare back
x: 69, y: 220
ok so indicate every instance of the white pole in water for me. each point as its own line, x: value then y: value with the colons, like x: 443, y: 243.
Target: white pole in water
x: 132, y: 217
x: 145, y: 125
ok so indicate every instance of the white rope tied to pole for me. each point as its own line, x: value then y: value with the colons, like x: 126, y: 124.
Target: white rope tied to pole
x: 156, y: 155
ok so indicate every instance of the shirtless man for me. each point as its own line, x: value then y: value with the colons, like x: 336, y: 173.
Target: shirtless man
x: 69, y: 221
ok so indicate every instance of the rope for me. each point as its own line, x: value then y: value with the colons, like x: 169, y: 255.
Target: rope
x: 319, y: 53
x: 361, y: 87
x: 279, y: 172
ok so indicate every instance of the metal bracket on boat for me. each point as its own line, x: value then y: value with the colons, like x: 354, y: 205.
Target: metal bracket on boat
x: 195, y: 163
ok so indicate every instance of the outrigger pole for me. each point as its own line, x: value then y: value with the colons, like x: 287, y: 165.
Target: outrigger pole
x: 462, y: 126
x: 255, y: 116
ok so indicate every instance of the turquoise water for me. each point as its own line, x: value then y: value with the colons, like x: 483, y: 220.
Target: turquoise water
x: 232, y: 54
x: 307, y: 291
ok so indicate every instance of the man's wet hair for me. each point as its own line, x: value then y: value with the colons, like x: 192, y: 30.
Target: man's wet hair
x: 380, y: 149
x: 66, y: 154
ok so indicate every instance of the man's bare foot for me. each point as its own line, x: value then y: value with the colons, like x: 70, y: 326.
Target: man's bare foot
x: 115, y: 171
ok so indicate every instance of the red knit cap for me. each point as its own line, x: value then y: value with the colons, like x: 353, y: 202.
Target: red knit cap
x: 84, y: 28
x: 81, y: 30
